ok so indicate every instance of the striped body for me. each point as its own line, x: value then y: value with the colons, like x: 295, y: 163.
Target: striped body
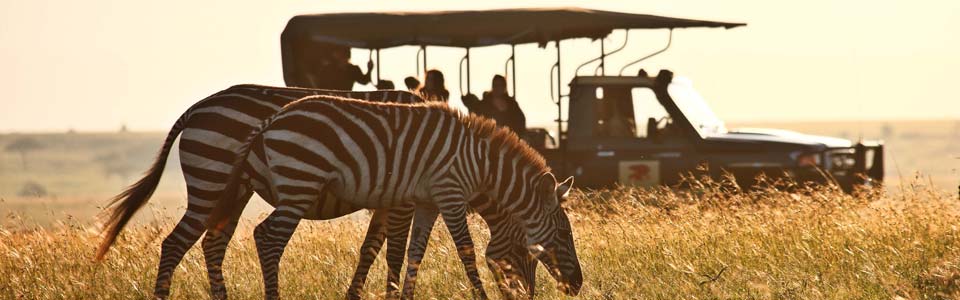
x: 212, y: 132
x: 379, y: 155
x: 215, y: 127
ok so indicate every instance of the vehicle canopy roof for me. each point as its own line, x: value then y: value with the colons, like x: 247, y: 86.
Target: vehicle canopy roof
x: 471, y: 28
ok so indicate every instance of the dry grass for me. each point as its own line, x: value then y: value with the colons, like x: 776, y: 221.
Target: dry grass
x: 713, y: 242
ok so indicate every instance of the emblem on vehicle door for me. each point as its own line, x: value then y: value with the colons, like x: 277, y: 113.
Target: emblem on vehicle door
x: 640, y: 172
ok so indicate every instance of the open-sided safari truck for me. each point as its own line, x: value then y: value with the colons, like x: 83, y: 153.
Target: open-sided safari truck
x: 620, y: 129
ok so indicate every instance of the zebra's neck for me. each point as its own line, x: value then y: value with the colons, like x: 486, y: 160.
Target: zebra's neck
x: 509, y: 175
x: 490, y: 160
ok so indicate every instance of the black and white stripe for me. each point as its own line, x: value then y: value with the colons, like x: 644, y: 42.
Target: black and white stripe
x: 213, y: 129
x: 379, y: 155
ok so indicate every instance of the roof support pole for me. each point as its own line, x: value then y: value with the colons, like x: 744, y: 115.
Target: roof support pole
x: 423, y: 51
x: 667, y: 46
x: 468, y: 70
x: 466, y: 58
x: 513, y: 65
x: 511, y: 61
x: 603, y: 59
x: 378, y: 66
x: 560, y: 136
x: 603, y: 55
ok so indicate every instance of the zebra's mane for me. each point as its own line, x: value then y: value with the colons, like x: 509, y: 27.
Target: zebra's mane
x: 500, y: 137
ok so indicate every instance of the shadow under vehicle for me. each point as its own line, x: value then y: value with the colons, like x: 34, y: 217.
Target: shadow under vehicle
x: 618, y: 129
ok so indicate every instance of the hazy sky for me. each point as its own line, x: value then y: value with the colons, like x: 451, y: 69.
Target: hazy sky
x: 94, y: 65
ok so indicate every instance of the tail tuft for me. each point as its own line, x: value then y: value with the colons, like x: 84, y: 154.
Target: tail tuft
x: 127, y: 203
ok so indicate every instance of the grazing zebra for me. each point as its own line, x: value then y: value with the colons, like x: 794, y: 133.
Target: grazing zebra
x: 514, y: 268
x: 379, y: 155
x: 213, y: 130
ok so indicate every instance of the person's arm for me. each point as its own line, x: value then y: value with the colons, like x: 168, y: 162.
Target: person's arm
x: 360, y: 77
x: 471, y: 102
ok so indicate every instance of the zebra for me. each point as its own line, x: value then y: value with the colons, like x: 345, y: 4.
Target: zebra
x: 507, y: 254
x: 378, y: 155
x: 212, y: 129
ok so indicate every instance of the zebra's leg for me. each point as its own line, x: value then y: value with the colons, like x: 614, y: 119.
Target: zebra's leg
x: 272, y: 235
x: 372, y: 242
x: 215, y: 248
x: 455, y: 216
x: 176, y: 244
x: 424, y: 217
x: 398, y: 229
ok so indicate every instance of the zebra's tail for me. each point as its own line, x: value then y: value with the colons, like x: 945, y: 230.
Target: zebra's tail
x: 124, y: 205
x: 226, y: 207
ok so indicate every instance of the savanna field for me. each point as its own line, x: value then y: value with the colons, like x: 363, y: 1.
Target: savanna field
x: 714, y: 241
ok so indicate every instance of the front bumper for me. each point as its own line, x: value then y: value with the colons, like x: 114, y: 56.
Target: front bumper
x: 861, y: 164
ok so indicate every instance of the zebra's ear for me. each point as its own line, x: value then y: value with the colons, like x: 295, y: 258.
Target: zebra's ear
x: 546, y: 191
x: 563, y: 190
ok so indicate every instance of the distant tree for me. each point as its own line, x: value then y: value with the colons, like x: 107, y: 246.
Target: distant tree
x: 886, y: 131
x: 24, y: 146
x: 32, y: 189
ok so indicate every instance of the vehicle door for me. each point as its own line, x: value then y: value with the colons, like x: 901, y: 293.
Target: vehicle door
x: 634, y: 140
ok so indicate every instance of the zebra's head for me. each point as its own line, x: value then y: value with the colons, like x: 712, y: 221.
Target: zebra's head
x: 553, y: 243
x: 515, y: 274
x: 512, y: 265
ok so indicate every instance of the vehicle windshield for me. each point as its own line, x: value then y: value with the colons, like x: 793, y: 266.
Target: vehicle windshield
x: 695, y: 108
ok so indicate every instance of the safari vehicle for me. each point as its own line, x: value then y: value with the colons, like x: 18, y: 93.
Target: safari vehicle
x: 620, y: 129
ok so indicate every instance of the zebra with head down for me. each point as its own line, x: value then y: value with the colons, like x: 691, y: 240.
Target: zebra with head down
x: 379, y: 155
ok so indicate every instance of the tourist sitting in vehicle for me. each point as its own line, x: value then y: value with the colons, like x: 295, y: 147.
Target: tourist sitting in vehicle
x: 433, y: 88
x: 335, y: 72
x: 614, y: 114
x: 384, y: 84
x: 499, y: 106
x: 412, y: 83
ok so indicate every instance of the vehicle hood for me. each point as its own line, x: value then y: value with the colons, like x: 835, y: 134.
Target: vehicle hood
x: 778, y: 136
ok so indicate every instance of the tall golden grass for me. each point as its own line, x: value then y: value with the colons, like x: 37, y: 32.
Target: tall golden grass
x: 712, y: 241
